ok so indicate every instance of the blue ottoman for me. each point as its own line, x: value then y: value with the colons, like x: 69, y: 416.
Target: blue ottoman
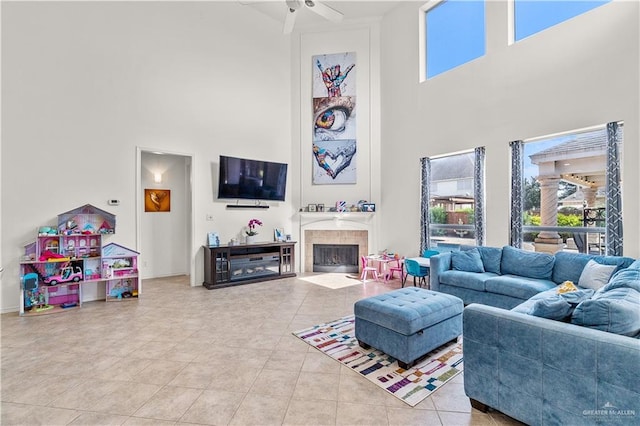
x: 408, y: 323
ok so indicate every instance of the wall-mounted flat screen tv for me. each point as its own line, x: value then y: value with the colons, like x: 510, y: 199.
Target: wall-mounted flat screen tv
x: 246, y: 179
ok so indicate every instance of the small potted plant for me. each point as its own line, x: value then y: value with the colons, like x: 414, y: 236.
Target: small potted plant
x: 251, y: 232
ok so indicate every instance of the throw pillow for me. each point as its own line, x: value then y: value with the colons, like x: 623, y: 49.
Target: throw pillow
x: 491, y: 257
x: 555, y: 308
x: 467, y: 260
x: 616, y: 311
x: 551, y: 305
x: 595, y: 275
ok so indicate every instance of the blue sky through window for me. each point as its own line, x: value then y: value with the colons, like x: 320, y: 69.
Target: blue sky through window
x: 455, y: 34
x: 532, y: 16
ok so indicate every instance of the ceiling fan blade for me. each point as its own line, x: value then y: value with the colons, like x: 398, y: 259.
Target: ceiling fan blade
x: 289, y: 21
x: 324, y: 11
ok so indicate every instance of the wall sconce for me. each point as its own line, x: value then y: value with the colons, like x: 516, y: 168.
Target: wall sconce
x: 157, y: 177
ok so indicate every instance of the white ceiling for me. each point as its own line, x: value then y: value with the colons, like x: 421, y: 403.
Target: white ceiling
x: 305, y: 18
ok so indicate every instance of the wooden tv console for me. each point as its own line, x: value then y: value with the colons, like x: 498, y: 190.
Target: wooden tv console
x: 228, y: 265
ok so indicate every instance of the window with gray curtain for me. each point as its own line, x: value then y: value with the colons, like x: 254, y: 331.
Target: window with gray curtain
x: 566, y: 191
x: 452, y: 200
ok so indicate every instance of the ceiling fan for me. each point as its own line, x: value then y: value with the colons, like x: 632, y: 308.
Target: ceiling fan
x: 315, y: 6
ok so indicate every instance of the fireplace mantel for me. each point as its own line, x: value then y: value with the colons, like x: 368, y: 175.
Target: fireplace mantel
x: 357, y: 217
x: 337, y: 224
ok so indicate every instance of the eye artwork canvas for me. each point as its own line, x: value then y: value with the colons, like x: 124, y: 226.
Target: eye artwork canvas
x: 334, y: 119
x: 157, y: 200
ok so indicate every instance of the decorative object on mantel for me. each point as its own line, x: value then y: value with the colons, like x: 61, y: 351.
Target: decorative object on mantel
x: 341, y: 206
x: 320, y: 207
x: 368, y: 207
x: 311, y: 207
x: 251, y: 232
x: 334, y: 124
x: 278, y: 234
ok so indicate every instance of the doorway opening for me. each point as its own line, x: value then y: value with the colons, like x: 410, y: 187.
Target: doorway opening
x: 164, y: 236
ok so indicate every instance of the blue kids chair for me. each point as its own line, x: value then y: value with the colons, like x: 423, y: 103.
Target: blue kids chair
x: 413, y: 268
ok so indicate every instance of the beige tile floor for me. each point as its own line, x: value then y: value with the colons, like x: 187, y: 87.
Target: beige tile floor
x: 182, y: 355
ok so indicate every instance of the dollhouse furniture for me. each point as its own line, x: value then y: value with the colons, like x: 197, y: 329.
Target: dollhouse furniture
x: 408, y: 323
x: 64, y: 257
x: 120, y: 272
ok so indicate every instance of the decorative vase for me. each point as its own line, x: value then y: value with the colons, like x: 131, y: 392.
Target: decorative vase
x: 251, y: 239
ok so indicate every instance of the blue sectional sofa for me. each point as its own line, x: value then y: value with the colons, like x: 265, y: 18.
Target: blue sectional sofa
x: 551, y: 358
x: 505, y: 277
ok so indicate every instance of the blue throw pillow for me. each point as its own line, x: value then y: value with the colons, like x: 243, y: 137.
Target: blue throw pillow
x: 616, y: 311
x: 528, y: 264
x: 491, y: 257
x: 555, y: 308
x: 549, y: 304
x: 467, y: 260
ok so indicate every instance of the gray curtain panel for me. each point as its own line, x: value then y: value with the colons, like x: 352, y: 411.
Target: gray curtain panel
x: 425, y: 195
x: 517, y: 192
x: 478, y: 194
x: 613, y: 190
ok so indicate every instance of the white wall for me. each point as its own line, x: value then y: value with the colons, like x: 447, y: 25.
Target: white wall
x: 85, y: 83
x: 577, y: 74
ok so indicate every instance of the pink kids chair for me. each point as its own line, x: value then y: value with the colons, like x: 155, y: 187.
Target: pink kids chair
x: 366, y: 270
x: 396, y: 266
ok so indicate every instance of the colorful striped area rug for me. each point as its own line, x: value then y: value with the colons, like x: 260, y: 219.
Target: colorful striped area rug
x: 337, y: 339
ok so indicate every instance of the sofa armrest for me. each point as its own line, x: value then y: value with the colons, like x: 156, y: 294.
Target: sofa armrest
x: 541, y: 371
x: 438, y: 264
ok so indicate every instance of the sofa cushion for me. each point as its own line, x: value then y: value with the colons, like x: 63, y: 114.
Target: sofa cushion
x: 616, y: 311
x: 595, y: 275
x: 467, y: 260
x: 516, y: 286
x: 491, y: 257
x: 568, y: 266
x: 470, y: 280
x: 553, y: 305
x: 526, y: 263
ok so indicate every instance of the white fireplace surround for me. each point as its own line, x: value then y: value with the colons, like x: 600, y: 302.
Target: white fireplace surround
x: 335, y: 229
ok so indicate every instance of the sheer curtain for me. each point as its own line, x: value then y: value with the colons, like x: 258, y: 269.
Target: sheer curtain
x: 425, y: 196
x: 614, y: 192
x: 478, y: 194
x: 517, y: 192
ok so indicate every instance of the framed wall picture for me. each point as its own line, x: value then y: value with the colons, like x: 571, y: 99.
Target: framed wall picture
x: 157, y: 200
x: 213, y: 239
x: 368, y: 207
x: 311, y: 207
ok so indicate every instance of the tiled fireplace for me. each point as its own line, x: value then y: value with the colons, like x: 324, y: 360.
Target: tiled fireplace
x: 334, y: 229
x: 332, y: 237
